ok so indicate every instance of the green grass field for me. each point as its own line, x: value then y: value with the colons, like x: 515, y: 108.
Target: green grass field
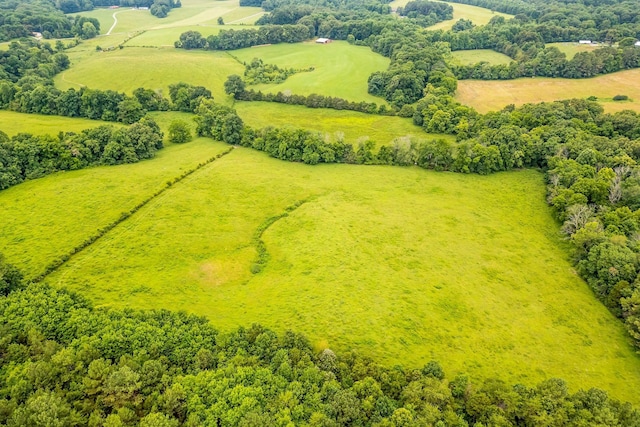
x: 570, y: 49
x: 402, y: 264
x: 340, y: 70
x: 353, y: 125
x: 13, y: 123
x: 152, y: 68
x: 494, y: 95
x: 59, y: 205
x: 470, y: 57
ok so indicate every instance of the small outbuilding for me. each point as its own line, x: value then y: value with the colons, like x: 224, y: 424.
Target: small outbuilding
x: 637, y: 44
x: 323, y: 40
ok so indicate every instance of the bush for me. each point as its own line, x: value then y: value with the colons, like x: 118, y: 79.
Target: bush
x: 621, y: 98
x: 179, y: 132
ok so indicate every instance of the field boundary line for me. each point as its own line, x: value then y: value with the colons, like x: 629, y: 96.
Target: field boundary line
x: 62, y: 260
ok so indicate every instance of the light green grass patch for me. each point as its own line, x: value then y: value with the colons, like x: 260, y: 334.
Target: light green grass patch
x: 13, y: 123
x: 401, y: 264
x: 152, y: 68
x: 243, y: 15
x: 71, y: 206
x: 493, y: 95
x: 471, y: 57
x: 340, y: 69
x: 353, y: 125
x: 570, y: 49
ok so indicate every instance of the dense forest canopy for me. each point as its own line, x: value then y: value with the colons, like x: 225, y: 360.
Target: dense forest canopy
x: 66, y: 363
x: 24, y: 17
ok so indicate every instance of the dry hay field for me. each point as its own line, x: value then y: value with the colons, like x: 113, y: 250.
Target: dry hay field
x: 493, y: 95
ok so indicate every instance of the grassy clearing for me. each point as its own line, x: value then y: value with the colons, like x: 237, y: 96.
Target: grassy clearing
x: 340, y: 69
x: 399, y: 263
x: 70, y: 206
x: 152, y: 68
x: 494, y: 95
x: 478, y: 15
x: 470, y: 57
x: 354, y: 125
x: 570, y: 49
x: 198, y: 15
x: 167, y: 36
x: 13, y: 123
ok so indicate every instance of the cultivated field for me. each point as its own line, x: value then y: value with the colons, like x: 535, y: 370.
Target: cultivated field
x: 13, y: 123
x: 340, y: 69
x: 470, y: 57
x: 494, y: 95
x: 398, y: 263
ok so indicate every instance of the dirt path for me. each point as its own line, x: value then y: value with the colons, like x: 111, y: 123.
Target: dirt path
x: 115, y: 21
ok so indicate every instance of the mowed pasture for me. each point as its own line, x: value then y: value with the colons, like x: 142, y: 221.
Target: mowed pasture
x: 13, y: 123
x: 340, y: 69
x: 401, y: 264
x: 494, y: 95
x: 126, y: 69
x: 470, y: 57
x: 570, y: 49
x: 351, y: 125
x: 192, y: 13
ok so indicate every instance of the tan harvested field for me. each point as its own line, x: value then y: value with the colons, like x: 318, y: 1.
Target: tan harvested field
x: 494, y: 95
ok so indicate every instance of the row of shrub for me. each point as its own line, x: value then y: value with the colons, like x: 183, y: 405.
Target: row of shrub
x: 59, y: 261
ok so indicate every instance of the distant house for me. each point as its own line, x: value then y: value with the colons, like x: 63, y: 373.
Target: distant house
x: 637, y: 44
x: 114, y: 7
x: 585, y: 42
x: 323, y: 40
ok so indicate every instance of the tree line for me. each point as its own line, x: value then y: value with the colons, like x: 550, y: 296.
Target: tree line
x: 236, y: 86
x: 26, y: 85
x: 64, y: 362
x: 25, y: 156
